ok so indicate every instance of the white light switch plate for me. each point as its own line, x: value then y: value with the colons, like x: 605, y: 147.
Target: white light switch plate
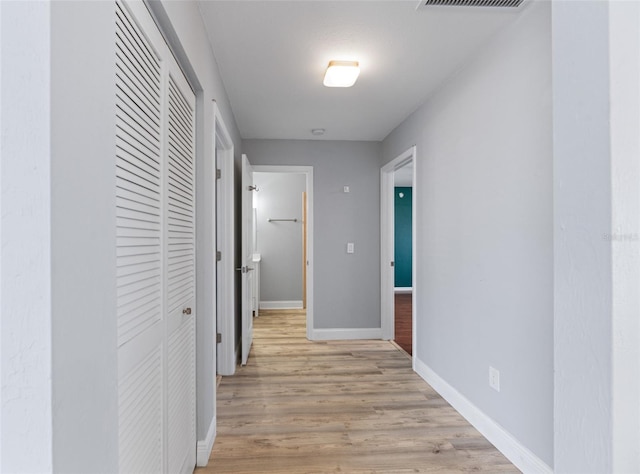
x: 350, y: 247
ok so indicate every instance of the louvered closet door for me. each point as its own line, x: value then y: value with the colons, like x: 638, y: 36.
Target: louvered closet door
x: 181, y: 273
x: 139, y: 174
x: 155, y: 250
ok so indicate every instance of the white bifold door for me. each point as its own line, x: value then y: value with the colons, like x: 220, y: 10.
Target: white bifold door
x: 155, y: 219
x: 248, y: 191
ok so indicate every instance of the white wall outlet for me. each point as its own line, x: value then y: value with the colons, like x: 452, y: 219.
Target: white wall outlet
x: 346, y: 189
x: 350, y: 247
x: 494, y: 379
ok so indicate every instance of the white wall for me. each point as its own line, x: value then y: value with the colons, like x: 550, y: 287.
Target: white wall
x: 624, y: 62
x: 280, y: 243
x: 59, y: 402
x: 83, y: 237
x: 346, y: 287
x: 582, y: 219
x: 25, y: 255
x: 484, y: 279
x: 596, y: 54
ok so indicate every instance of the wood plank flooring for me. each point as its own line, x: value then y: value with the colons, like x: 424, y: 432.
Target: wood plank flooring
x: 337, y: 406
x: 402, y: 321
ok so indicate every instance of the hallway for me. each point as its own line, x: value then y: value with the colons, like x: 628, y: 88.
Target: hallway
x: 337, y: 406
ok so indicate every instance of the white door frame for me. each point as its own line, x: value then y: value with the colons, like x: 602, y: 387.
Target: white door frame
x: 308, y: 172
x: 247, y: 266
x: 224, y: 278
x: 387, y: 301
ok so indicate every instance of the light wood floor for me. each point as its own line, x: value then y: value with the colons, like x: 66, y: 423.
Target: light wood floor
x: 402, y: 321
x: 350, y: 407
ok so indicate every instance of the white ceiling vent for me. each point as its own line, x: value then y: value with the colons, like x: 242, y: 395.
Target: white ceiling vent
x: 470, y: 3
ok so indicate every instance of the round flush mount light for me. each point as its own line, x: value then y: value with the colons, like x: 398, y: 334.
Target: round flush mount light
x: 341, y: 73
x: 317, y: 131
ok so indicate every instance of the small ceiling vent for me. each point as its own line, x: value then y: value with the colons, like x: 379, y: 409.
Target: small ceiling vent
x: 470, y: 3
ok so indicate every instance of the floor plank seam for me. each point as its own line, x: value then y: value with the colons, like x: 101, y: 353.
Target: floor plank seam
x: 337, y: 406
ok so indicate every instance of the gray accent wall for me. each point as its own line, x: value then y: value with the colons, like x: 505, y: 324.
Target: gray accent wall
x: 347, y: 286
x: 484, y: 227
x: 279, y: 243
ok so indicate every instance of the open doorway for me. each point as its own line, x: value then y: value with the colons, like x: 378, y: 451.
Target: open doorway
x: 284, y: 238
x: 398, y: 256
x: 403, y: 250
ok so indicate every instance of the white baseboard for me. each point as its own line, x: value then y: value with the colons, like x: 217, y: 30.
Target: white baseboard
x: 403, y: 289
x: 280, y: 305
x: 512, y: 449
x: 345, y: 334
x: 203, y: 451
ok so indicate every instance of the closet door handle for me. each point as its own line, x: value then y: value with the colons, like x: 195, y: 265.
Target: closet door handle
x: 186, y: 311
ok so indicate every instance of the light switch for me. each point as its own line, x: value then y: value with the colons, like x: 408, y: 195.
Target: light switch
x: 346, y: 189
x: 350, y: 247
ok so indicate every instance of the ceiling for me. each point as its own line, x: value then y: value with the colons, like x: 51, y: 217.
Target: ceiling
x: 272, y: 55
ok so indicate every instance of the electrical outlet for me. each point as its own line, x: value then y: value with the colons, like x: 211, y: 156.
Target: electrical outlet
x: 494, y: 379
x: 350, y: 247
x: 346, y: 189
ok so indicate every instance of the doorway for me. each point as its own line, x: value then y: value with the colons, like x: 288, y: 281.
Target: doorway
x: 225, y: 354
x: 398, y: 188
x: 284, y: 238
x: 403, y: 265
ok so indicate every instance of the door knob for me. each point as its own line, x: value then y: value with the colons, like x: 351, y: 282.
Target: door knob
x: 186, y: 311
x: 244, y: 269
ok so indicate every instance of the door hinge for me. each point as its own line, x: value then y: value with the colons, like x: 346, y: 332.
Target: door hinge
x: 218, y: 338
x: 393, y: 264
x: 218, y: 173
x: 218, y: 256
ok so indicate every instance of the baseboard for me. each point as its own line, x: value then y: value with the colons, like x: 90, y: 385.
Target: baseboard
x: 280, y: 305
x: 345, y: 334
x: 204, y: 447
x: 402, y: 289
x: 512, y: 449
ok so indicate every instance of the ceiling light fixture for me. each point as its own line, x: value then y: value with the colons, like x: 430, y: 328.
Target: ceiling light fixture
x: 341, y: 74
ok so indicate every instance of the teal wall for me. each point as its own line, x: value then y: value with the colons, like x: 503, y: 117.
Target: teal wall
x: 402, y: 232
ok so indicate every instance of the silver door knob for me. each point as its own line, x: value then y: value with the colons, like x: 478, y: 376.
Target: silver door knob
x: 244, y: 269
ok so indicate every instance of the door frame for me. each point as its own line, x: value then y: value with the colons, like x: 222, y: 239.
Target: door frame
x: 308, y: 172
x: 247, y: 251
x: 387, y: 284
x: 223, y: 283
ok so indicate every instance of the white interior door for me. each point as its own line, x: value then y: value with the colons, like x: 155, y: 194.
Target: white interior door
x: 226, y: 240
x: 248, y: 190
x: 140, y: 243
x: 155, y: 220
x: 180, y: 273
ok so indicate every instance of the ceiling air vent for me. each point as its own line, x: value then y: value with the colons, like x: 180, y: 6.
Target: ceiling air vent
x: 470, y: 3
